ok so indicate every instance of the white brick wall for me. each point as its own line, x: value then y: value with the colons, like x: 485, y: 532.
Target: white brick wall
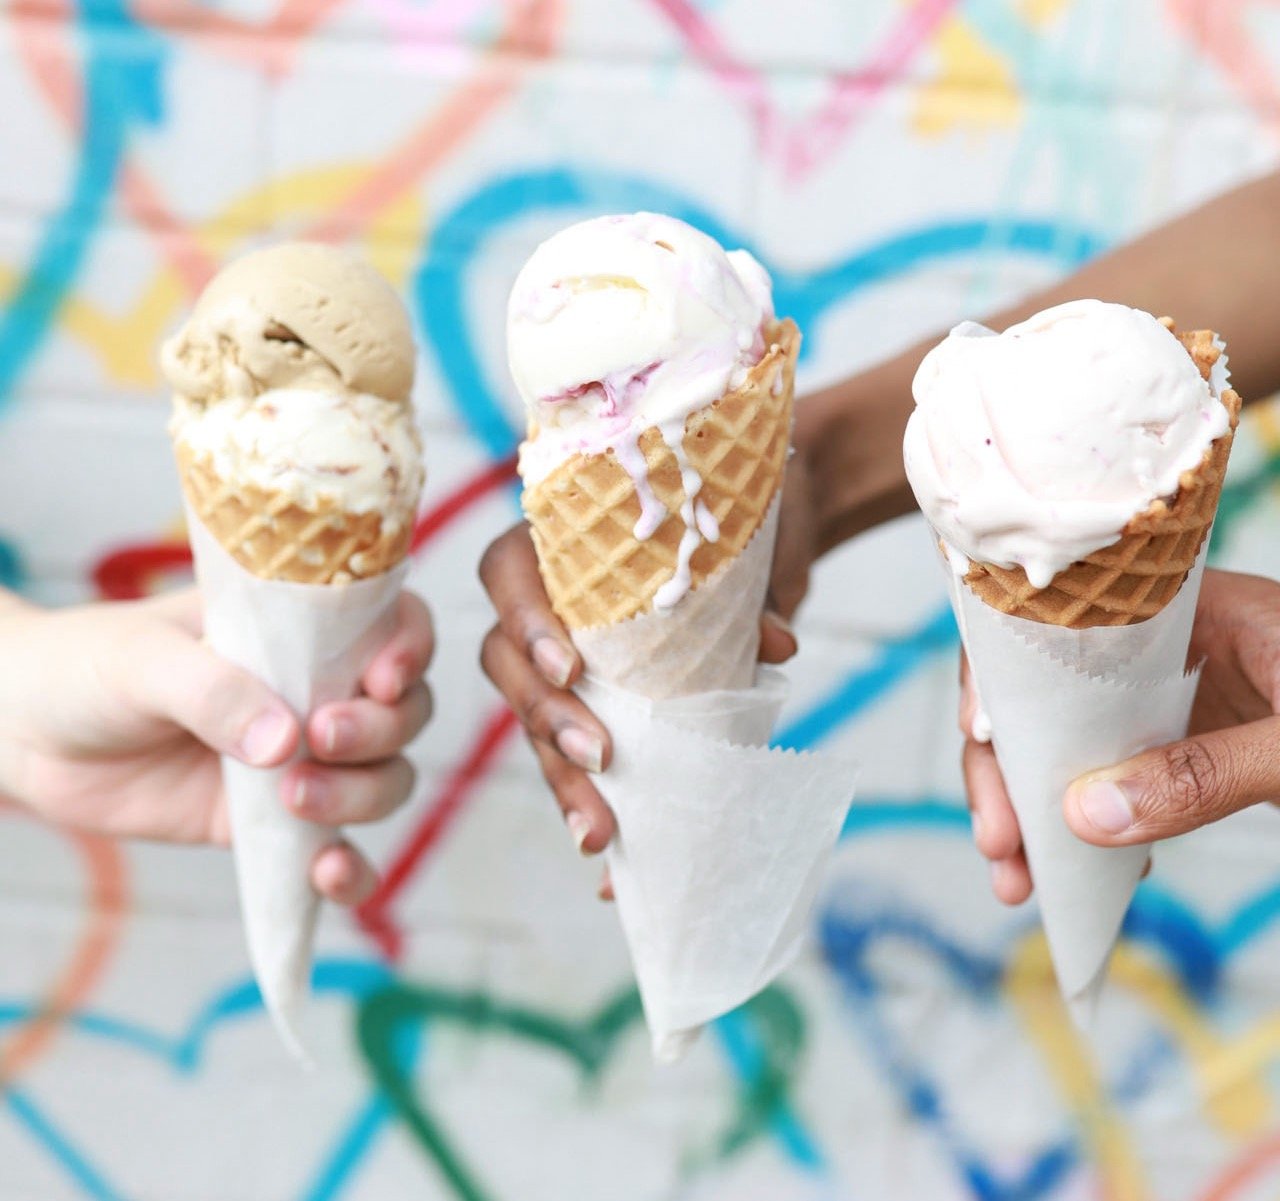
x: 892, y: 1062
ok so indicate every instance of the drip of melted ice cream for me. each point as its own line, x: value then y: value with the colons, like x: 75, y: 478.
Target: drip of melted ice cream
x: 627, y: 323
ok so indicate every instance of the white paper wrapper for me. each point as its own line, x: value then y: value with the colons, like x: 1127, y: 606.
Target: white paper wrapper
x: 721, y: 842
x: 310, y: 644
x: 1062, y: 702
x: 707, y: 642
x: 720, y: 849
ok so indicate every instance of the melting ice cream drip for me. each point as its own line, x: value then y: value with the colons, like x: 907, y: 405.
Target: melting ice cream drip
x: 652, y: 510
x: 679, y: 583
x: 626, y: 323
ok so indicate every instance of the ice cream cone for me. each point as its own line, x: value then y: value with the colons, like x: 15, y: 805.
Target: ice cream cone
x: 584, y: 514
x: 301, y: 467
x: 1103, y: 489
x: 271, y: 535
x: 1138, y: 575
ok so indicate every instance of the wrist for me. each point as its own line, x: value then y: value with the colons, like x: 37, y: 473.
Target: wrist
x: 850, y: 436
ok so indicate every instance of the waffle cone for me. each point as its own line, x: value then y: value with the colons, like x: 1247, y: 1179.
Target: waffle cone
x: 1136, y: 576
x: 584, y: 513
x: 275, y: 538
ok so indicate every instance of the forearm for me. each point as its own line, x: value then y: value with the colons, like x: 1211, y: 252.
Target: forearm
x: 1218, y: 267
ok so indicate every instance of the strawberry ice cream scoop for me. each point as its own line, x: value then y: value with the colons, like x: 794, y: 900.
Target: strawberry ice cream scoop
x: 1035, y: 447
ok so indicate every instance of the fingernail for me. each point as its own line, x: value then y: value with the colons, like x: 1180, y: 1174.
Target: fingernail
x: 1106, y: 807
x: 580, y: 828
x: 310, y: 796
x: 579, y: 747
x: 775, y: 619
x: 264, y: 737
x: 339, y: 733
x: 554, y: 659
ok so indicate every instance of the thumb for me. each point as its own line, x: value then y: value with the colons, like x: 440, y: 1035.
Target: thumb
x: 175, y: 677
x: 1179, y: 787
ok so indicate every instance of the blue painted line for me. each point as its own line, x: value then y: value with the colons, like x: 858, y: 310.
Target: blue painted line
x: 862, y: 687
x: 929, y: 813
x: 439, y: 287
x: 1159, y: 920
x: 88, y: 1179
x: 847, y: 939
x: 12, y: 573
x: 741, y: 1043
x: 335, y: 1174
x: 121, y: 87
x: 350, y: 979
x: 98, y: 1025
x: 440, y: 293
x: 1250, y: 921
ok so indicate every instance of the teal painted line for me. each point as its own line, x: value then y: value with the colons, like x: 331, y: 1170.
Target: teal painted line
x: 928, y: 814
x: 894, y: 661
x: 88, y: 1179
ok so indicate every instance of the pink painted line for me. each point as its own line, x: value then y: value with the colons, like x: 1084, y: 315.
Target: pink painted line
x: 1220, y: 30
x: 811, y: 140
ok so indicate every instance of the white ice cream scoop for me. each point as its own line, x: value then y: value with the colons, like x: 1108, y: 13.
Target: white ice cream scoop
x: 1035, y: 447
x: 625, y: 322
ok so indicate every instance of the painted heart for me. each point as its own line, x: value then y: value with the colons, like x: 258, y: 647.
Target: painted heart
x: 394, y: 1021
x: 1220, y: 30
x: 464, y: 231
x: 119, y: 91
x: 1179, y: 992
x: 587, y: 1046
x: 802, y: 145
x: 345, y: 1150
x: 105, y: 906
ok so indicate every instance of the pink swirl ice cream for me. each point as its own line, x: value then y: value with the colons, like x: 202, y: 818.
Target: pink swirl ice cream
x: 1035, y: 447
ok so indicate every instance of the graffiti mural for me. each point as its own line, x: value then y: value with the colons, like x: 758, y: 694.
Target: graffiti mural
x: 897, y: 164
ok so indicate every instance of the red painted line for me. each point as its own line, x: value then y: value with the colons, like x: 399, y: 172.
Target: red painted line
x: 432, y: 523
x: 1245, y: 1171
x: 374, y: 916
x: 126, y: 573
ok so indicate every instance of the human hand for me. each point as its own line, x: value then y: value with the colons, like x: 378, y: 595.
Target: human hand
x: 113, y: 717
x: 1230, y: 760
x: 531, y: 659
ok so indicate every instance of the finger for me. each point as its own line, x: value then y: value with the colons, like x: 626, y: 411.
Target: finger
x: 589, y: 819
x: 166, y: 672
x: 550, y: 715
x: 777, y: 638
x: 605, y: 890
x: 968, y: 697
x: 1178, y: 787
x: 795, y: 549
x: 340, y: 796
x: 407, y: 654
x: 995, y: 826
x: 343, y: 875
x: 1011, y: 879
x: 509, y: 572
x: 364, y: 731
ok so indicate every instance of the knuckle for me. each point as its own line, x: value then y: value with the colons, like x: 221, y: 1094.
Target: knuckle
x: 489, y: 653
x: 405, y: 777
x: 536, y: 713
x: 495, y: 555
x: 1191, y: 778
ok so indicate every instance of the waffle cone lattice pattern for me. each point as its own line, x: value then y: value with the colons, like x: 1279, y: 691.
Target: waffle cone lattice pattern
x: 583, y: 515
x: 276, y: 539
x: 1135, y: 577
